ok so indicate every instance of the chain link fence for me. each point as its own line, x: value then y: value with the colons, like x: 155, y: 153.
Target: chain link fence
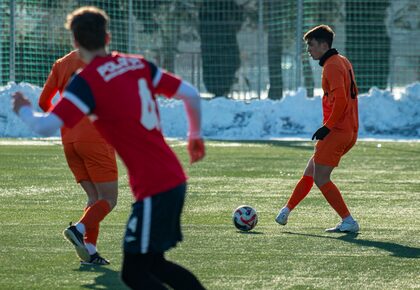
x: 237, y: 48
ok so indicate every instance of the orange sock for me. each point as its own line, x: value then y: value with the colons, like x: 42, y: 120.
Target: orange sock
x: 334, y: 198
x: 95, y: 214
x: 302, y: 188
x: 91, y: 235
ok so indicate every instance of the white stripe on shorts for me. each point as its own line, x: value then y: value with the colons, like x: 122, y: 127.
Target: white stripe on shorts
x: 145, y: 231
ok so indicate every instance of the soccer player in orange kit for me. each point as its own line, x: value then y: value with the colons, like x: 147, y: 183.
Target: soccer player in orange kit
x: 90, y: 158
x: 338, y: 133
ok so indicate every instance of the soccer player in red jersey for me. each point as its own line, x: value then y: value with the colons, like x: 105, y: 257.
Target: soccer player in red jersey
x: 338, y: 133
x: 90, y: 158
x: 120, y: 90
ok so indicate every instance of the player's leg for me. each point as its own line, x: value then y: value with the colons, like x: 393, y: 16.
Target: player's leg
x: 330, y: 190
x: 137, y: 261
x: 153, y: 228
x: 169, y: 212
x: 91, y: 234
x: 327, y: 156
x: 107, y: 196
x: 136, y: 274
x: 76, y: 165
x: 106, y: 201
x: 153, y: 271
x: 301, y: 190
x: 303, y: 187
x: 98, y: 161
x: 91, y: 192
x: 174, y: 274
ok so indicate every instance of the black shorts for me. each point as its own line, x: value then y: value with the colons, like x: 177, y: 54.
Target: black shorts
x: 154, y: 225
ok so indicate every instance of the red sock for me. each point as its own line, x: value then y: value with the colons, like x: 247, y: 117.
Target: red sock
x: 334, y: 198
x: 302, y: 188
x: 91, y: 235
x: 95, y: 214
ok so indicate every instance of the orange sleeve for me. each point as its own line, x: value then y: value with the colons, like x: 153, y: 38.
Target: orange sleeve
x: 49, y: 90
x: 336, y: 86
x: 339, y: 107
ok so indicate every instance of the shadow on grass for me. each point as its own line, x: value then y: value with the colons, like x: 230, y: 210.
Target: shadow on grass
x: 250, y: 233
x: 395, y: 249
x: 301, y: 144
x: 106, y: 279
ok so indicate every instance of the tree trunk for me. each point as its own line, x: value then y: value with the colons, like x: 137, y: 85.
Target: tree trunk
x: 368, y: 45
x: 274, y: 50
x: 219, y: 23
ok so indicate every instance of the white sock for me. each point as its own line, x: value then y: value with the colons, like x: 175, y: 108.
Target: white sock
x: 81, y: 228
x: 348, y: 219
x: 91, y: 248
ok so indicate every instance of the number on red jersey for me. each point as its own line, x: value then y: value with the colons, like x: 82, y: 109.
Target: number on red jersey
x: 149, y: 117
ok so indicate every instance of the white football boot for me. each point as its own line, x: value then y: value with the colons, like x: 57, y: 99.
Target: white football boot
x: 283, y: 216
x: 345, y: 227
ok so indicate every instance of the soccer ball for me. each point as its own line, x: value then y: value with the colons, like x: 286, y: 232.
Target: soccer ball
x: 245, y: 218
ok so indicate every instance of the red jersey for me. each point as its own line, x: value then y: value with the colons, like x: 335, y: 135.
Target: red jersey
x: 60, y: 74
x: 339, y: 103
x: 119, y: 90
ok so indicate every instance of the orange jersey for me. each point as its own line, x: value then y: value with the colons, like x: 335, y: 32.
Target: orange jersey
x: 60, y: 74
x: 339, y: 103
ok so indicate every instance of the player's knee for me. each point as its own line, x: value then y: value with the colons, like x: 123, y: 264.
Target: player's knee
x: 112, y: 202
x: 111, y: 199
x: 320, y: 180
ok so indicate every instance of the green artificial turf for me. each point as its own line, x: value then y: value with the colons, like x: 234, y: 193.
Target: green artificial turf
x: 380, y: 183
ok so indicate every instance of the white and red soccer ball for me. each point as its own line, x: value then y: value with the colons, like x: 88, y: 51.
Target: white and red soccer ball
x: 245, y: 218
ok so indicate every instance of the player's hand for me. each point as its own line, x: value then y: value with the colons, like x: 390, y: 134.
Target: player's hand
x: 196, y: 149
x: 321, y: 133
x: 19, y: 101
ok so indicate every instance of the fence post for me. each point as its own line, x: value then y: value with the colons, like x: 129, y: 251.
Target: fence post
x: 130, y: 27
x: 391, y: 56
x: 299, y: 28
x: 260, y: 44
x: 12, y: 41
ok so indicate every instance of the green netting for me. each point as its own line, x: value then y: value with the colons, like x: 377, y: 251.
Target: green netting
x: 239, y: 48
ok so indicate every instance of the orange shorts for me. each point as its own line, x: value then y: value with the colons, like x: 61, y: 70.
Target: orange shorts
x: 93, y: 162
x: 330, y: 150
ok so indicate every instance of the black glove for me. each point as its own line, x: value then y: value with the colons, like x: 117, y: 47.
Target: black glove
x: 321, y: 133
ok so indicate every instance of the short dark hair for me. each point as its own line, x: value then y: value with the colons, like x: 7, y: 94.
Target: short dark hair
x: 321, y: 33
x: 89, y: 25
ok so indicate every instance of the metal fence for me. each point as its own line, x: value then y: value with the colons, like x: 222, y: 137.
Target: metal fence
x: 237, y: 48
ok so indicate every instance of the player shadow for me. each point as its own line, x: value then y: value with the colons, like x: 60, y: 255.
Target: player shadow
x: 395, y: 249
x: 250, y: 233
x: 106, y: 278
x: 306, y: 145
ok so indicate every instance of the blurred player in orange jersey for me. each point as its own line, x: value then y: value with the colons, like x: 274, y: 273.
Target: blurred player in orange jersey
x: 338, y: 133
x: 89, y: 156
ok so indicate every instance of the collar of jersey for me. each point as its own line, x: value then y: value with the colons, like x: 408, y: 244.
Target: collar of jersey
x: 327, y: 55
